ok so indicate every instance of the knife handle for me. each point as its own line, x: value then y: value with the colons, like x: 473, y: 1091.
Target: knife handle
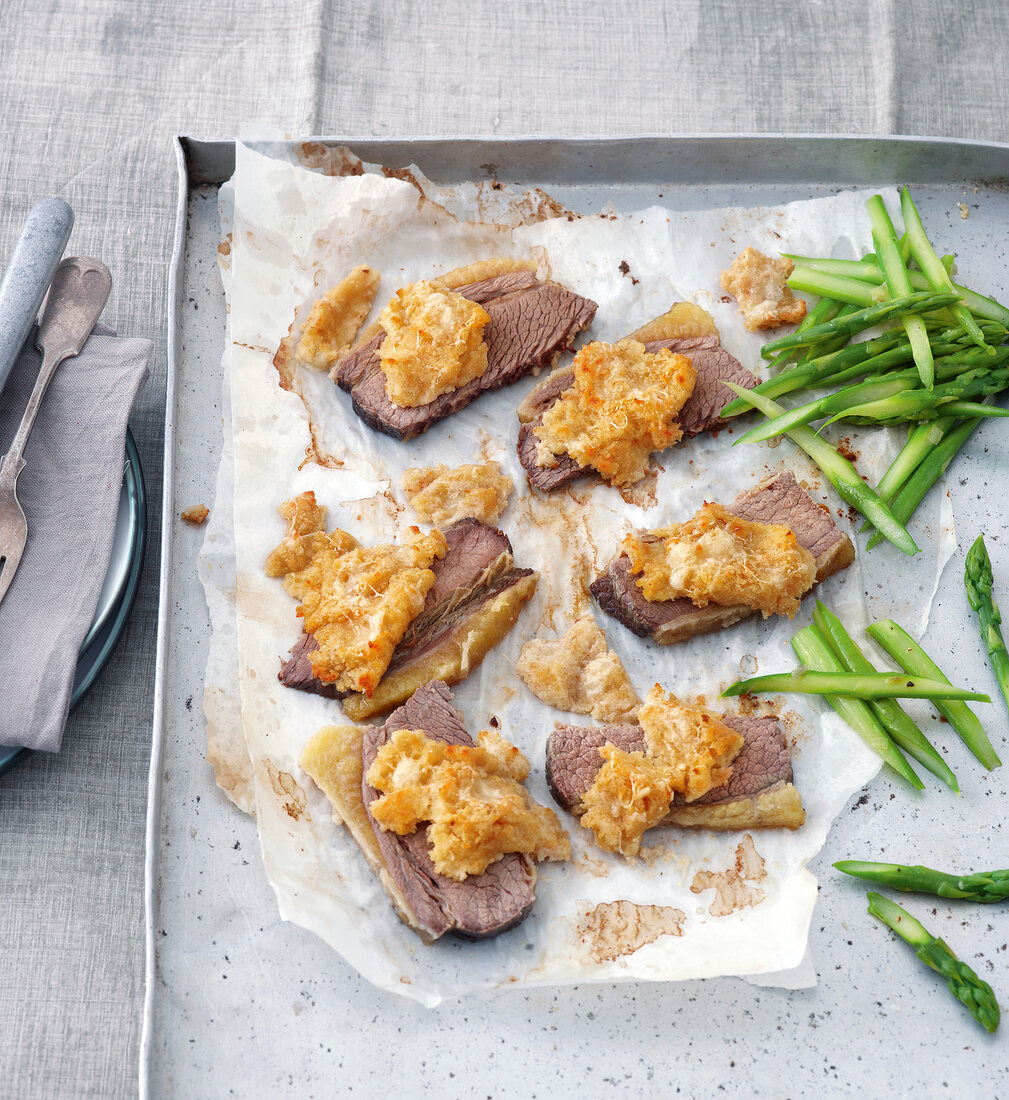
x: 29, y: 273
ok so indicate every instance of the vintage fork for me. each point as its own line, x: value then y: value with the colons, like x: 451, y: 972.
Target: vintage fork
x: 79, y: 291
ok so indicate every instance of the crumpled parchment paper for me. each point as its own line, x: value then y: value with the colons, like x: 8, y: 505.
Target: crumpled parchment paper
x: 294, y: 233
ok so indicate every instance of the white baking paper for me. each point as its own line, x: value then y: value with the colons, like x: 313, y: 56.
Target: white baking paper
x: 295, y: 234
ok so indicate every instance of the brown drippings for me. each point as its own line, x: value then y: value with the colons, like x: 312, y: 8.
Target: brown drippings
x: 329, y: 160
x: 287, y: 789
x: 732, y: 887
x: 616, y: 928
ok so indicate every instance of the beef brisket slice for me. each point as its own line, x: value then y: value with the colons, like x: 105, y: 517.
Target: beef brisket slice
x: 700, y: 413
x: 530, y: 323
x: 763, y: 767
x: 483, y: 905
x: 779, y: 499
x: 474, y: 601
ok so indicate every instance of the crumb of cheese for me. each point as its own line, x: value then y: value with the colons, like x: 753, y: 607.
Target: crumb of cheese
x: 689, y: 751
x: 195, y: 514
x: 716, y: 557
x: 471, y: 795
x: 621, y: 408
x: 682, y: 321
x: 964, y: 212
x: 757, y: 282
x: 576, y: 672
x: 433, y: 343
x: 357, y: 601
x: 443, y: 494
x: 335, y: 319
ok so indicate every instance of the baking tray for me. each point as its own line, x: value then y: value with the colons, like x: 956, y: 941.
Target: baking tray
x: 237, y: 1000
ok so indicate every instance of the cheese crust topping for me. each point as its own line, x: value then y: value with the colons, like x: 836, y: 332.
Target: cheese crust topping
x: 621, y: 408
x: 471, y: 796
x: 335, y: 319
x: 357, y: 601
x: 689, y: 751
x: 433, y: 343
x: 717, y: 557
x: 576, y: 672
x: 758, y: 283
x: 443, y: 494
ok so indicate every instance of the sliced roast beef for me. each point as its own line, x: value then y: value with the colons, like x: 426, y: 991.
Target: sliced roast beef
x: 779, y: 499
x: 700, y: 413
x: 530, y: 324
x: 474, y: 601
x: 763, y: 767
x: 483, y: 905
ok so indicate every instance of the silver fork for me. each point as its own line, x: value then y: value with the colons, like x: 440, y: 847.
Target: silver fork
x: 77, y: 296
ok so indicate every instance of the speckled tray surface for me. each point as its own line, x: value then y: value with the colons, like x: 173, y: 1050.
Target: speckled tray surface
x: 238, y: 1000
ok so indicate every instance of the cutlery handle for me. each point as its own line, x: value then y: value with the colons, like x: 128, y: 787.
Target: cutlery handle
x: 79, y: 291
x: 29, y: 273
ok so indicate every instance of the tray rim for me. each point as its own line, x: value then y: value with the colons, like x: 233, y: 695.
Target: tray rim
x: 210, y: 162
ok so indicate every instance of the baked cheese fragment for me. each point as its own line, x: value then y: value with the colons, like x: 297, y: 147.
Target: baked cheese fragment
x: 717, y: 557
x: 682, y: 321
x: 306, y: 536
x: 433, y: 343
x: 336, y: 318
x: 356, y: 600
x: 621, y: 408
x: 443, y: 494
x: 471, y: 796
x: 576, y: 672
x: 689, y: 751
x: 758, y: 283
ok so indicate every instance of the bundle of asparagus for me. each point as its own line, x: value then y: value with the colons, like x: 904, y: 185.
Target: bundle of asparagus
x: 944, y: 350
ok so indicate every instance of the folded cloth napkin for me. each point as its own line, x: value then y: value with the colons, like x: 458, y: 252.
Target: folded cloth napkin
x: 69, y: 490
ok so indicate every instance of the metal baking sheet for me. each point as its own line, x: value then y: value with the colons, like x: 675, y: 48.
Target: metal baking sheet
x: 239, y: 1001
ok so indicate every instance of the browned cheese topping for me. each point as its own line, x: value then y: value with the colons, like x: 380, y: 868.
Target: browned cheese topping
x: 471, y: 796
x: 335, y: 319
x: 689, y: 750
x: 717, y: 557
x: 357, y: 601
x: 758, y: 283
x: 620, y: 410
x: 443, y: 494
x: 576, y: 672
x: 682, y: 321
x: 195, y: 514
x: 433, y: 343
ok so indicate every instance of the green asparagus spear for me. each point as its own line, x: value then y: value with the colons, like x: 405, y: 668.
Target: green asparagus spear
x: 909, y: 305
x: 985, y: 886
x: 931, y: 265
x: 977, y: 579
x: 914, y: 660
x: 839, y: 472
x: 837, y: 287
x: 876, y: 685
x: 962, y: 982
x: 895, y: 721
x: 811, y: 648
x: 884, y: 238
x: 920, y: 441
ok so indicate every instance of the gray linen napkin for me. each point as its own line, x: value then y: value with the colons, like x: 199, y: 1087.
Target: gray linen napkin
x: 70, y: 491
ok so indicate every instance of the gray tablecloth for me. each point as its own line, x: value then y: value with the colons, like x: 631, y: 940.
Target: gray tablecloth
x: 90, y: 96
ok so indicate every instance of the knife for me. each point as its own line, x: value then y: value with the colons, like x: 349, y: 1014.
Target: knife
x: 29, y: 273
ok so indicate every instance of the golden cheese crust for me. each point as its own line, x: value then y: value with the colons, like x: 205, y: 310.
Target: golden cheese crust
x: 758, y: 283
x: 336, y: 318
x: 689, y: 750
x: 620, y: 410
x: 443, y: 494
x: 357, y: 601
x: 433, y: 343
x: 717, y: 557
x: 682, y: 321
x: 471, y: 796
x: 576, y: 672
